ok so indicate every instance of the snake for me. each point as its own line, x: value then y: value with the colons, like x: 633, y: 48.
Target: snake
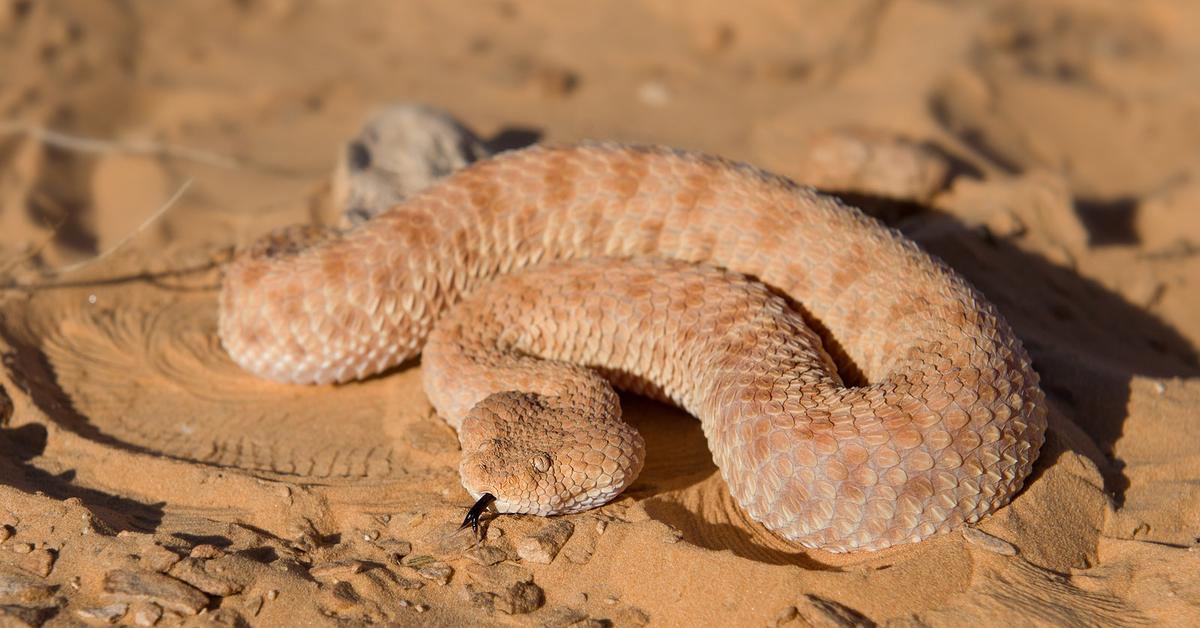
x: 856, y: 393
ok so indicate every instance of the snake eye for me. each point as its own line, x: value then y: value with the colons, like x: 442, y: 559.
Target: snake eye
x: 540, y: 462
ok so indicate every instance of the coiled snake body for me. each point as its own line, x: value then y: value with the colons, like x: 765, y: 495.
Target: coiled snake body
x: 649, y: 261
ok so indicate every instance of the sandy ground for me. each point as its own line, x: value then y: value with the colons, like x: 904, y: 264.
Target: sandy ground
x: 146, y: 479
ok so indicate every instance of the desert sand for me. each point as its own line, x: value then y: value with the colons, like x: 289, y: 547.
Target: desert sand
x: 1045, y: 150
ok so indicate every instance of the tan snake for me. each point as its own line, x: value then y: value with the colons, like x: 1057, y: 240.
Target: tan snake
x: 943, y: 428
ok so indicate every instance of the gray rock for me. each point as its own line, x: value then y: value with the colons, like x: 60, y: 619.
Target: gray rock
x: 126, y: 585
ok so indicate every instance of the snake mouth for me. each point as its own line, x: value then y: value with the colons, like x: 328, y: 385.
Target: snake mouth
x: 472, y: 518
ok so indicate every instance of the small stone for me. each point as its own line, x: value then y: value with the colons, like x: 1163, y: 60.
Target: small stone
x: 108, y: 614
x: 421, y: 608
x: 987, y: 542
x: 632, y: 616
x: 40, y: 562
x: 520, y: 597
x: 18, y: 588
x: 404, y: 603
x: 22, y: 548
x: 158, y: 558
x: 193, y: 572
x: 339, y: 570
x: 340, y: 596
x: 601, y: 526
x: 430, y: 568
x: 253, y: 605
x: 127, y: 585
x: 542, y: 546
x: 206, y: 551
x: 272, y: 594
x: 483, y: 600
x: 566, y: 617
x: 395, y: 548
x: 145, y: 613
x: 487, y: 555
x: 6, y: 533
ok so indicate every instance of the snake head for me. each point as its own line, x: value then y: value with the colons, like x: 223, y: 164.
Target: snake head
x: 536, y: 458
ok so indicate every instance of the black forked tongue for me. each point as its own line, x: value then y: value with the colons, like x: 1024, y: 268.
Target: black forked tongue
x: 472, y: 518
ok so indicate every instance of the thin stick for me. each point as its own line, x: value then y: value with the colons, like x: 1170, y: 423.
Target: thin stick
x: 93, y: 145
x: 142, y: 227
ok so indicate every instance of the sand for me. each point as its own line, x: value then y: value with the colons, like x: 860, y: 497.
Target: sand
x: 1046, y: 150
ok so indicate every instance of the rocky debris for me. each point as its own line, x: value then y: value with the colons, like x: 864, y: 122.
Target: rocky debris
x: 127, y: 585
x: 395, y: 548
x: 206, y: 551
x: 543, y: 545
x: 487, y: 555
x: 479, y: 598
x: 14, y: 616
x: 400, y: 150
x: 337, y: 570
x: 519, y: 598
x: 18, y: 588
x: 195, y: 572
x: 430, y: 568
x: 39, y: 561
x: 145, y: 613
x: 106, y: 614
x: 871, y: 162
x: 253, y: 604
x: 988, y: 543
x: 158, y: 558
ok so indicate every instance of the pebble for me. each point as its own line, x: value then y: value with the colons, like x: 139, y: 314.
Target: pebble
x: 272, y: 594
x: 158, y: 558
x: 127, y: 585
x: 40, y: 562
x: 340, y: 570
x: 543, y: 545
x: 108, y: 614
x: 145, y: 613
x: 520, y: 598
x: 873, y: 162
x: 487, y: 555
x: 430, y: 568
x: 194, y: 572
x: 253, y: 605
x: 206, y: 551
x: 22, y: 548
x: 17, y: 587
x: 6, y: 533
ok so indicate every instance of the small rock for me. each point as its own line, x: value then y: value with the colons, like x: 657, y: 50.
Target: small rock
x: 564, y: 617
x: 421, y: 608
x: 272, y: 594
x: 448, y: 540
x: 126, y: 585
x: 631, y: 616
x: 253, y: 605
x: 520, y: 597
x: 340, y: 596
x: 601, y: 526
x: 872, y: 162
x: 108, y: 614
x: 206, y: 551
x: 487, y: 555
x: 145, y: 613
x: 340, y: 570
x: 21, y: 548
x: 18, y: 588
x: 987, y: 542
x: 395, y: 548
x: 430, y: 568
x: 6, y: 532
x: 542, y: 546
x: 40, y: 562
x: 483, y: 600
x: 12, y: 616
x: 193, y: 572
x: 400, y: 150
x: 158, y: 558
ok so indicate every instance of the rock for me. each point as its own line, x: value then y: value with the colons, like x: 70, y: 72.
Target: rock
x: 339, y: 570
x: 253, y: 605
x: 158, y: 558
x: 206, y: 551
x: 18, y: 588
x: 520, y: 598
x: 145, y: 613
x: 487, y: 555
x: 39, y: 561
x: 483, y: 600
x: 543, y: 545
x: 6, y: 412
x: 430, y: 568
x: 339, y: 596
x: 107, y: 614
x: 400, y: 150
x: 15, y: 616
x: 126, y: 585
x: 194, y: 572
x: 564, y: 616
x: 987, y: 542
